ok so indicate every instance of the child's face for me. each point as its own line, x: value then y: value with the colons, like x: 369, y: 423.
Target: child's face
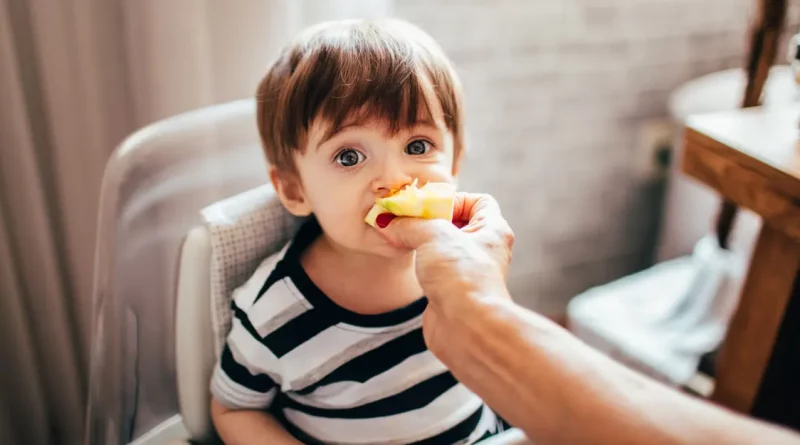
x: 342, y: 175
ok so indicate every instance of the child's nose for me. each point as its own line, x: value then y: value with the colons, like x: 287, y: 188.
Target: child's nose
x: 392, y: 178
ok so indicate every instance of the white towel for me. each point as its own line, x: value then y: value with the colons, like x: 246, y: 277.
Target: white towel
x: 662, y: 320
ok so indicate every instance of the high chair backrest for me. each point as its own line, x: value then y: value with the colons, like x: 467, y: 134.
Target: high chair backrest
x: 216, y: 259
x: 154, y: 187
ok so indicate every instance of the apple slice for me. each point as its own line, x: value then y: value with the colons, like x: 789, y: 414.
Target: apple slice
x: 434, y: 200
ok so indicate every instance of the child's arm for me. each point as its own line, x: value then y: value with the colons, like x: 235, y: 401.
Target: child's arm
x: 244, y: 384
x: 248, y: 427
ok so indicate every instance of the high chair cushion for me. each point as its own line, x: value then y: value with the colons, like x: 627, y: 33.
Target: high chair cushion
x: 243, y: 230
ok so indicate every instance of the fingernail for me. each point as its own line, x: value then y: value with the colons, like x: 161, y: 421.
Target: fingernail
x: 384, y: 219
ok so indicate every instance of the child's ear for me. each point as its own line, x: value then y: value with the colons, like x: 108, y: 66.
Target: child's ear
x: 290, y: 191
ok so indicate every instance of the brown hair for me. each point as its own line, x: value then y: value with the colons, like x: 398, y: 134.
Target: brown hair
x: 352, y: 72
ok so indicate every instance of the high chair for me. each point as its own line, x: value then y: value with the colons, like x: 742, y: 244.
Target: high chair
x: 185, y: 218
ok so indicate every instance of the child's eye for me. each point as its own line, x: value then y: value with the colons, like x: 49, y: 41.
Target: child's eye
x: 349, y: 157
x: 418, y: 147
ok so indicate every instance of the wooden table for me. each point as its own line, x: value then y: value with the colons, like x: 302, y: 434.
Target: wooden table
x: 752, y: 157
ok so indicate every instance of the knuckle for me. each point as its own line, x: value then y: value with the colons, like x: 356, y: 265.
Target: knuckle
x: 508, y: 236
x: 504, y: 232
x: 487, y: 197
x: 492, y: 203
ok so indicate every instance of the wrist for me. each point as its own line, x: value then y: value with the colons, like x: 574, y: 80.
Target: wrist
x: 466, y: 317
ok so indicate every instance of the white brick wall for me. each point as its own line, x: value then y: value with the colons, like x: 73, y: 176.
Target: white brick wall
x: 555, y: 93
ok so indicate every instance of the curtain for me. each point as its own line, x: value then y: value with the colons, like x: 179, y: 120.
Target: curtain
x: 75, y: 79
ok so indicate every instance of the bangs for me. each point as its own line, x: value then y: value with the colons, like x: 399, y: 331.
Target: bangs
x: 396, y: 98
x: 366, y: 81
x: 357, y: 73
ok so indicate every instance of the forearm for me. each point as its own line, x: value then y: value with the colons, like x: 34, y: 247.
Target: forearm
x: 248, y: 427
x: 558, y: 390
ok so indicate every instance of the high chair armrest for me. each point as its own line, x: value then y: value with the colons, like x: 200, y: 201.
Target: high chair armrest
x: 194, y: 354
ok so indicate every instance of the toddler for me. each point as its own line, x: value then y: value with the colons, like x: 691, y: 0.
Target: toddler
x: 326, y: 344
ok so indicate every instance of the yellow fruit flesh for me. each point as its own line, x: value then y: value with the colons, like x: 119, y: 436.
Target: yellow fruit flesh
x: 434, y: 200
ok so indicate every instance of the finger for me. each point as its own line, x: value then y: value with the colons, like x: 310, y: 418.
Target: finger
x: 467, y: 205
x: 384, y: 219
x: 459, y: 224
x: 462, y: 206
x: 414, y: 232
x: 473, y: 207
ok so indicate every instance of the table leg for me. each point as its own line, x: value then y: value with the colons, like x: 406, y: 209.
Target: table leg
x: 778, y: 398
x: 751, y: 336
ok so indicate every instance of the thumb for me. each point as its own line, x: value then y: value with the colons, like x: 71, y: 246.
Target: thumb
x: 414, y: 232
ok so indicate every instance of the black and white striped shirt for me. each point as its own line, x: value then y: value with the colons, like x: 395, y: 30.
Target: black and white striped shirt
x: 333, y: 376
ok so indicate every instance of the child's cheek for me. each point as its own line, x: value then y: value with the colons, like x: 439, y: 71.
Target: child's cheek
x: 439, y: 172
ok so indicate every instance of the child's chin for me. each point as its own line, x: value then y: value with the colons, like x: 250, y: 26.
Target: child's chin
x: 387, y: 250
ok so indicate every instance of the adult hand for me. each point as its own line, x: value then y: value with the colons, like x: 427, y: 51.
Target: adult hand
x: 531, y: 371
x: 457, y: 267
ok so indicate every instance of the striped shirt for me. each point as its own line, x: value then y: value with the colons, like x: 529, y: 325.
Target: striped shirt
x: 330, y: 375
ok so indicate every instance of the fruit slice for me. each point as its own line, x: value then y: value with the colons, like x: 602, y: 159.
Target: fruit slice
x: 434, y: 200
x: 372, y: 216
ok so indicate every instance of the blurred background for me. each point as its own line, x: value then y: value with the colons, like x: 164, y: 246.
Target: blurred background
x: 567, y: 114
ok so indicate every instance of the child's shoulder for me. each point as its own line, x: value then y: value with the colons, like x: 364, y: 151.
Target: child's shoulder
x: 245, y: 295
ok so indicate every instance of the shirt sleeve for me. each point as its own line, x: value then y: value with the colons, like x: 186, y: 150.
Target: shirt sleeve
x: 246, y: 375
